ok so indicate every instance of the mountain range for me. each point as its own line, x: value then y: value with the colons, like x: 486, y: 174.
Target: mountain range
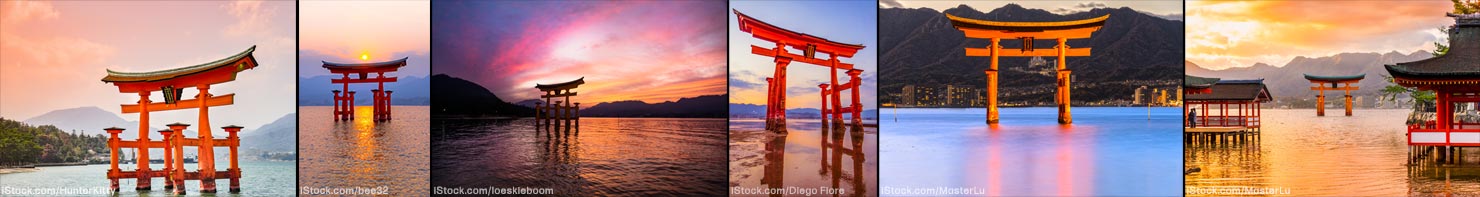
x: 919, y: 46
x: 407, y: 90
x: 1289, y: 81
x: 97, y: 119
x: 458, y: 97
x: 467, y: 99
x: 279, y: 135
x: 707, y: 106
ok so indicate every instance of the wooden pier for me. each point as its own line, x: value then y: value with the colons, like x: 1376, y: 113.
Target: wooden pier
x: 1220, y: 135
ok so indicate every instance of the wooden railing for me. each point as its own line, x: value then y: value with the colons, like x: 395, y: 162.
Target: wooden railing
x: 1226, y: 121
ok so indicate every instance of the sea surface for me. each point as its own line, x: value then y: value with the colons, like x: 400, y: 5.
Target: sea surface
x: 371, y: 157
x: 806, y: 159
x: 599, y: 157
x: 1307, y: 155
x: 259, y: 178
x: 1107, y: 151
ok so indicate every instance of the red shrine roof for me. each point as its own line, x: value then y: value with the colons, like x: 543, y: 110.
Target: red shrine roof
x: 1235, y: 90
x: 766, y: 31
x: 1461, y: 65
x: 234, y: 63
x: 386, y: 66
x: 963, y: 22
x: 561, y: 86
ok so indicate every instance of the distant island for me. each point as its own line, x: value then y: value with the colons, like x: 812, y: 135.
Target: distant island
x: 456, y: 97
x: 25, y: 145
x: 755, y: 111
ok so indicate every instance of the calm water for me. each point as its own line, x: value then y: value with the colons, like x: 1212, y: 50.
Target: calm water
x: 1107, y: 151
x: 259, y: 178
x: 807, y: 156
x: 386, y: 156
x: 1364, y: 154
x: 608, y: 157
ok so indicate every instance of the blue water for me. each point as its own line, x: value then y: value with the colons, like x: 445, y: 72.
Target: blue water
x: 259, y: 178
x: 1116, y: 151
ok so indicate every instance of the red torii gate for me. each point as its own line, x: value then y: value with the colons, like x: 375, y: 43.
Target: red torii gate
x: 344, y: 105
x: 1061, y: 31
x: 171, y: 82
x: 551, y: 111
x: 810, y: 45
x: 1337, y: 83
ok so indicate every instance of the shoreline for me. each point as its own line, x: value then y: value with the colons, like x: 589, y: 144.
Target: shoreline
x: 17, y: 170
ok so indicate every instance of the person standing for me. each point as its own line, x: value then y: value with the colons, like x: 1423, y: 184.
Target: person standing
x: 1192, y: 119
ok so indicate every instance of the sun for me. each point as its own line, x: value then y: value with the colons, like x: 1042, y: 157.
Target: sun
x: 364, y: 56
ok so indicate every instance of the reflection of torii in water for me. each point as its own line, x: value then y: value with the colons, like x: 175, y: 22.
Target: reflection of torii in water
x: 810, y: 45
x: 1060, y: 31
x: 551, y: 113
x: 833, y: 150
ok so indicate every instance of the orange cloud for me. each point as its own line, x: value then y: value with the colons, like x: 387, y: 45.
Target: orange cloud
x: 1223, y: 34
x: 348, y: 29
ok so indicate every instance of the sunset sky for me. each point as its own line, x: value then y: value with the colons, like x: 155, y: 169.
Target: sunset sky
x: 378, y: 31
x: 846, y: 22
x: 647, y: 51
x: 55, y: 53
x: 1223, y: 34
x: 1164, y: 8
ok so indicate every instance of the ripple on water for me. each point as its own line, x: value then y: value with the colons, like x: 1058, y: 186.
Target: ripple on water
x: 608, y: 156
x: 363, y: 153
x: 807, y: 156
x: 1364, y: 154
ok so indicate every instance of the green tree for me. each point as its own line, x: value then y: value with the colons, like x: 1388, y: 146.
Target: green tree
x: 1466, y: 6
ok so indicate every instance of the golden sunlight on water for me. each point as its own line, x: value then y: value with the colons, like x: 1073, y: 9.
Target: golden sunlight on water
x: 361, y: 153
x: 1364, y: 154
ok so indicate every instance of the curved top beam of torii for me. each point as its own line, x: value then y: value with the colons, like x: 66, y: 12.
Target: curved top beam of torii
x: 214, y: 72
x: 768, y: 32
